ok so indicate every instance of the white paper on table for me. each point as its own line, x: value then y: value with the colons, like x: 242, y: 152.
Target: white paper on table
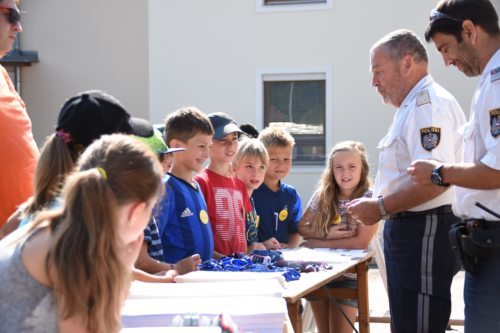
x: 326, y: 255
x: 266, y: 287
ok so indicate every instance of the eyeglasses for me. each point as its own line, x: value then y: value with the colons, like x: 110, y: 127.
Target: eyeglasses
x: 437, y: 15
x: 12, y: 15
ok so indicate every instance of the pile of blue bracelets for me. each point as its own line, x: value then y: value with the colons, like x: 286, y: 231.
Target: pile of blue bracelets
x: 262, y: 261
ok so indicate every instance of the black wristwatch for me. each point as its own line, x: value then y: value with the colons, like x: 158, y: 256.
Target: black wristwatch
x: 436, y: 177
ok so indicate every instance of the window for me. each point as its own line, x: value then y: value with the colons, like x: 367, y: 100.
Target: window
x: 292, y: 5
x: 297, y: 103
x: 292, y: 2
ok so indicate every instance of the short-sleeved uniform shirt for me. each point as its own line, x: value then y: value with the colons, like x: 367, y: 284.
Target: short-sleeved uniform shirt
x: 227, y: 202
x: 482, y: 142
x: 279, y: 212
x: 183, y: 221
x: 426, y: 126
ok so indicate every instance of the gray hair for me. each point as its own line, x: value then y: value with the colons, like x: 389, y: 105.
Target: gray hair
x: 400, y: 43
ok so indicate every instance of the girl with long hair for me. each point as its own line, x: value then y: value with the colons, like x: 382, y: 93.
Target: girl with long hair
x: 70, y: 270
x: 326, y: 224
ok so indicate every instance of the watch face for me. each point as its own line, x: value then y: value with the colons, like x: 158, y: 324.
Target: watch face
x: 436, y: 179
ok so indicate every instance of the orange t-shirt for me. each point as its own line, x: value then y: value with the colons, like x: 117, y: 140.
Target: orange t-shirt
x: 18, y: 150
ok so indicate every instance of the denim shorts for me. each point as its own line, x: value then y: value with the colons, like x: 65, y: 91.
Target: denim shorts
x: 345, y: 283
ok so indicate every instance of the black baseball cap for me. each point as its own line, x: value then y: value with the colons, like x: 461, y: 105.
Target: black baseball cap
x: 90, y: 114
x: 223, y: 125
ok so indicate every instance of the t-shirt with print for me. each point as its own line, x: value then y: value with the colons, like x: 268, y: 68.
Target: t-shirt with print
x: 279, y: 212
x: 227, y: 202
x: 183, y: 221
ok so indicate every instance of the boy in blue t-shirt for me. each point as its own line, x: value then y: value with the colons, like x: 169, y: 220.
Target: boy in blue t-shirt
x: 182, y: 214
x: 278, y: 205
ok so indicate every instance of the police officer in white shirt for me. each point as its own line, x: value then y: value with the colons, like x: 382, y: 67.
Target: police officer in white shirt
x: 467, y: 35
x: 420, y: 262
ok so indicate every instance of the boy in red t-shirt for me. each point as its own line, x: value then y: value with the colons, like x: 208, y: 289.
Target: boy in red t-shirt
x: 226, y: 196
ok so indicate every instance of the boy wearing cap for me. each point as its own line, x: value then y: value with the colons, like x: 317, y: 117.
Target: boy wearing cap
x: 182, y: 214
x: 226, y: 196
x: 278, y: 205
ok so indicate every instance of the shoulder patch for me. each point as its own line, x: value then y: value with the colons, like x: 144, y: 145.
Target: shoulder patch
x: 495, y: 122
x: 430, y: 137
x: 495, y: 74
x: 423, y: 98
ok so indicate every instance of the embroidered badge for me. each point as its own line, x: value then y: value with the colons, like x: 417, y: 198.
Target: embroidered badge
x: 430, y: 137
x: 203, y: 216
x: 283, y: 214
x: 495, y: 74
x: 423, y: 98
x: 495, y: 122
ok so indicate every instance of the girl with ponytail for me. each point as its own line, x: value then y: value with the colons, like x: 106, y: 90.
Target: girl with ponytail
x: 70, y: 271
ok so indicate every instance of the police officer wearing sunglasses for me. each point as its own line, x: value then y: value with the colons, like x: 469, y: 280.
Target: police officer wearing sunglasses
x: 467, y: 35
x: 18, y: 150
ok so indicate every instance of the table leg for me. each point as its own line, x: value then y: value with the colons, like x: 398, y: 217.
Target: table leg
x: 295, y: 314
x: 363, y: 311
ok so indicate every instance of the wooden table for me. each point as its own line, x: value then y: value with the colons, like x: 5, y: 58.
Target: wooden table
x: 312, y: 285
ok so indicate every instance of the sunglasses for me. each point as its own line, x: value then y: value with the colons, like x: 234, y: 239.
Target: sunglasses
x: 437, y: 15
x: 12, y: 15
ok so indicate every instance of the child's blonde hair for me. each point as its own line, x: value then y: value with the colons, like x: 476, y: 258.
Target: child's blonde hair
x: 274, y: 136
x: 85, y: 261
x: 251, y: 148
x: 327, y: 192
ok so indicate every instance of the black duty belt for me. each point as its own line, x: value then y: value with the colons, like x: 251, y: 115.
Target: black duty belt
x: 471, y: 224
x: 445, y: 209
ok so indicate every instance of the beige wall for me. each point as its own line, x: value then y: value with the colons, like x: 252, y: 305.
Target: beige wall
x: 84, y: 45
x: 207, y: 53
x: 157, y: 55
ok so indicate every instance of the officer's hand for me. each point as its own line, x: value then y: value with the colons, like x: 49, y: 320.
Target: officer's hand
x: 364, y: 210
x: 420, y: 171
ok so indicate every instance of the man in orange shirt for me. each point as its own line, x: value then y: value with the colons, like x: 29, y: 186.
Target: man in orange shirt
x: 18, y: 150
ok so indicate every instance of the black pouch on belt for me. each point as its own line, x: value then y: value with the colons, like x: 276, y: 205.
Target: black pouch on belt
x: 459, y: 236
x: 484, y: 241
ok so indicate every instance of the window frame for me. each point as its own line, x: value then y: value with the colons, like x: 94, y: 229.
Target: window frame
x: 295, y: 74
x: 261, y: 6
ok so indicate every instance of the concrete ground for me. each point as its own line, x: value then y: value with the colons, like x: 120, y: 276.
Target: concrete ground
x: 379, y: 304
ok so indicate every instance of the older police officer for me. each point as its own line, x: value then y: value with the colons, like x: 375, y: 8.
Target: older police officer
x: 467, y: 35
x: 420, y: 262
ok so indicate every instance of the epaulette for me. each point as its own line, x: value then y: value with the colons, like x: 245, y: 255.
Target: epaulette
x: 423, y: 98
x: 495, y: 74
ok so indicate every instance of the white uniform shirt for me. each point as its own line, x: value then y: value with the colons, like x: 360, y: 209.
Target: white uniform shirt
x: 482, y: 142
x: 426, y: 126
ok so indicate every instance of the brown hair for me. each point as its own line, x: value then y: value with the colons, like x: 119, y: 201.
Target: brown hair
x: 186, y: 122
x: 85, y: 261
x: 327, y: 192
x: 56, y: 161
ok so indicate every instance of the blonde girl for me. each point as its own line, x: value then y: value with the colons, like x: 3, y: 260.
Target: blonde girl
x: 326, y: 224
x: 70, y: 270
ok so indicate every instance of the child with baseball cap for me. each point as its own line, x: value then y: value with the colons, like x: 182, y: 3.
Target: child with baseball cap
x: 82, y: 119
x: 226, y: 196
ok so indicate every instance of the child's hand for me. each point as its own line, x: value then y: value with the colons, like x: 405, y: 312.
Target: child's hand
x: 256, y: 246
x: 339, y: 231
x: 272, y: 244
x: 188, y: 264
x: 166, y: 276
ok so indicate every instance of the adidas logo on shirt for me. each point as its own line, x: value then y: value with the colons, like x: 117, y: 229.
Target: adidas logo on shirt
x: 187, y: 212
